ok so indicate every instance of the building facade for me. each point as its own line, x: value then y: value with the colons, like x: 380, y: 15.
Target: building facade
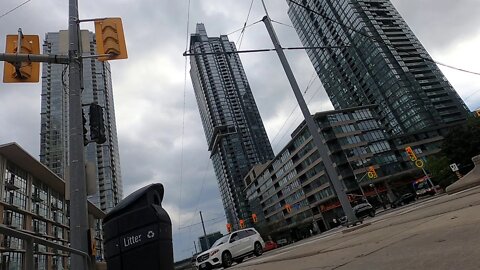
x: 203, y: 244
x: 379, y: 61
x: 233, y: 127
x: 292, y: 191
x: 33, y: 199
x: 97, y: 88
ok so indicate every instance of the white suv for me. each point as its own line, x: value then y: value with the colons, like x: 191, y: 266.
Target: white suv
x: 231, y: 248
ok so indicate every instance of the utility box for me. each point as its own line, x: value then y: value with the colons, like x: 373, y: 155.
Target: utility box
x: 138, y: 232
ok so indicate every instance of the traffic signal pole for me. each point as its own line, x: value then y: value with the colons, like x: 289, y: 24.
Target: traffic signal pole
x: 312, y: 127
x: 78, y: 189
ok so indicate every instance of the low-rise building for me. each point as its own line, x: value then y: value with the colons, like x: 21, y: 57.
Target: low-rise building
x: 33, y: 199
x: 292, y: 191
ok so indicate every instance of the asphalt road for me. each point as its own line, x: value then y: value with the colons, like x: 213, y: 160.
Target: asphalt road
x: 442, y: 232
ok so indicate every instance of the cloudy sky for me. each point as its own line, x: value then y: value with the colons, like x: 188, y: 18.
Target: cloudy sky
x: 159, y: 128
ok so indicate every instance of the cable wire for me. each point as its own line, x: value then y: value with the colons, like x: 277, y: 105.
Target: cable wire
x: 284, y: 24
x: 183, y: 114
x: 380, y: 40
x: 10, y: 11
x: 242, y: 34
x: 310, y: 83
x: 293, y: 122
x: 233, y: 32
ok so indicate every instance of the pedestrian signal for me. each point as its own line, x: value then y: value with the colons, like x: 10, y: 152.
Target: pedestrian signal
x: 372, y: 174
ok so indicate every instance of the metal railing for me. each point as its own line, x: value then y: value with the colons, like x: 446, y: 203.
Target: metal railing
x: 30, y: 239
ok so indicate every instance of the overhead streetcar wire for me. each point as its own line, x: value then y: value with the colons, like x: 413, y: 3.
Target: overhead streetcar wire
x: 242, y: 34
x: 13, y: 9
x: 189, y: 53
x: 380, y: 40
x: 183, y: 113
x: 284, y: 24
x: 235, y: 31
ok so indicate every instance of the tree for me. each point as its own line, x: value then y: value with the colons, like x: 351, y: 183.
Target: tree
x: 463, y: 143
x: 439, y: 168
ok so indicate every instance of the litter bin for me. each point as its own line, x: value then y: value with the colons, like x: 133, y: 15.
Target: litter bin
x: 138, y: 232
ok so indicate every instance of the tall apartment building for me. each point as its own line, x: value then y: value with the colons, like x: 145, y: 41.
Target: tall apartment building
x: 97, y: 88
x: 383, y: 63
x: 233, y: 127
x: 33, y: 200
x: 291, y: 191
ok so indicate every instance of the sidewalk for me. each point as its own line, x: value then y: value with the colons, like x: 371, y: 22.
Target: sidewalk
x: 442, y: 233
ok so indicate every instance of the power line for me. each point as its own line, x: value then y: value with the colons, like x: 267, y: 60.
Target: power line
x: 233, y: 32
x: 293, y: 122
x: 474, y: 93
x: 380, y: 40
x: 310, y: 83
x: 242, y: 34
x: 10, y: 11
x: 284, y: 24
x: 188, y: 53
x: 220, y: 218
x: 183, y: 113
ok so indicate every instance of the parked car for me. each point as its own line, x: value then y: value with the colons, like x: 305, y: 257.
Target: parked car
x: 360, y: 210
x: 231, y: 248
x: 364, y: 209
x: 403, y: 199
x: 269, y: 245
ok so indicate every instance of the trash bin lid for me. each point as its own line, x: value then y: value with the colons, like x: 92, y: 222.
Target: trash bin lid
x: 151, y: 194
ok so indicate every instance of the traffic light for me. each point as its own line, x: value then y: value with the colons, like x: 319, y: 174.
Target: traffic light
x: 242, y: 224
x: 288, y: 207
x: 410, y: 153
x: 84, y: 122
x: 97, y: 126
x: 254, y: 218
x: 21, y: 72
x: 110, y: 39
x: 372, y: 174
x: 477, y: 112
x: 229, y: 227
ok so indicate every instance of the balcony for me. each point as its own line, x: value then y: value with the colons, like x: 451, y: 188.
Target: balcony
x: 11, y: 186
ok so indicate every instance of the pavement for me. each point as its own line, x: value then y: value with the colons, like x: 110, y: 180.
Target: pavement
x: 442, y: 232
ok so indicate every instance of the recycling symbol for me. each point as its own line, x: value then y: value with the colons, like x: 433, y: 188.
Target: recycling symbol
x: 150, y: 234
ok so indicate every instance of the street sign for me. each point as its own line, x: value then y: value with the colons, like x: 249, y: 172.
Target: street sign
x: 454, y: 167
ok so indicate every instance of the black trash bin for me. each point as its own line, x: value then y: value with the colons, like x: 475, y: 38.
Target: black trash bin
x: 138, y: 232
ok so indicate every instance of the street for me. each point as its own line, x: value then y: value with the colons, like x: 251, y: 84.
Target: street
x: 440, y: 232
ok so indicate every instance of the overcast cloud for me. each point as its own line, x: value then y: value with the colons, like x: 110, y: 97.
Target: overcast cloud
x: 157, y: 118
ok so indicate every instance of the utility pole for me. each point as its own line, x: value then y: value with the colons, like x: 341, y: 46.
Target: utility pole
x: 111, y: 40
x: 204, y: 231
x: 78, y: 190
x: 312, y: 127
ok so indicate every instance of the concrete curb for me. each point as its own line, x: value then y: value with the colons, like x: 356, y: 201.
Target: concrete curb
x: 470, y: 180
x: 354, y: 228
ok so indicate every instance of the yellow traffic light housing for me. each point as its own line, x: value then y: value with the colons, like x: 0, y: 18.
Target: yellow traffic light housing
x: 410, y: 153
x: 21, y: 72
x: 254, y: 218
x: 110, y: 39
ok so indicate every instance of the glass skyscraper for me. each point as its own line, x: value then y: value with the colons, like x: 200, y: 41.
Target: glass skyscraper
x: 233, y: 127
x: 97, y: 88
x: 382, y: 62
